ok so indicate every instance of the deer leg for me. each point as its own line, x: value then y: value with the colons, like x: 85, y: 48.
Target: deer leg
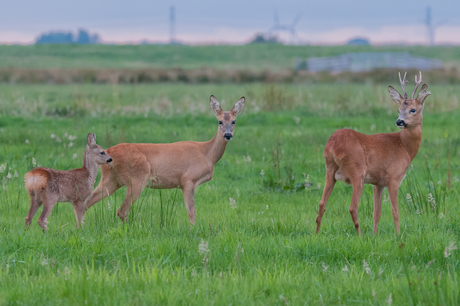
x: 378, y: 193
x: 79, y: 210
x: 329, y: 185
x: 357, y: 191
x: 48, y: 204
x: 107, y: 186
x: 133, y: 192
x: 34, y: 205
x: 393, y: 189
x: 188, y: 191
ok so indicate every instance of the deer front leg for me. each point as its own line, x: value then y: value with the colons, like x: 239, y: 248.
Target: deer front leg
x: 107, y: 186
x: 34, y: 205
x: 79, y: 210
x: 378, y: 193
x: 133, y: 191
x: 393, y: 189
x: 330, y: 183
x: 188, y: 191
x: 357, y: 191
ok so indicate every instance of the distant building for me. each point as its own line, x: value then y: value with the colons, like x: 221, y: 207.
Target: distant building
x: 366, y: 61
x: 83, y: 37
x: 359, y: 42
x: 265, y: 39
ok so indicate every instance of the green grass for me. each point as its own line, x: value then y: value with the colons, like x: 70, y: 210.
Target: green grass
x: 262, y: 252
x: 254, y: 57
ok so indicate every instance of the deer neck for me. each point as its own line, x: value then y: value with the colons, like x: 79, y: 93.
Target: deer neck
x: 90, y: 167
x: 411, y: 139
x: 216, y: 148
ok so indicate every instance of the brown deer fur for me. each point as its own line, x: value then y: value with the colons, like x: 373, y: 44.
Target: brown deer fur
x: 183, y: 165
x: 381, y: 159
x: 48, y: 186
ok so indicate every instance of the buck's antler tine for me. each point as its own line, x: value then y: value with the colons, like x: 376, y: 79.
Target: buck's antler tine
x: 403, y: 83
x: 417, y: 84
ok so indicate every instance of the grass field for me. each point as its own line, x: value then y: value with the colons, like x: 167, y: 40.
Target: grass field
x: 251, y: 57
x: 253, y: 243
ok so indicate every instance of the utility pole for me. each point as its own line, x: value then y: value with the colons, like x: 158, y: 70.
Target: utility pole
x: 172, y: 25
x: 429, y: 26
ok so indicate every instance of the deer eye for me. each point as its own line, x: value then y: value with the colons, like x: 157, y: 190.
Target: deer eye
x: 412, y: 110
x: 102, y: 153
x: 233, y: 122
x: 220, y: 122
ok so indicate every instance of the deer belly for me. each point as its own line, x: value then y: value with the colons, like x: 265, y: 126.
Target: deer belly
x: 341, y: 176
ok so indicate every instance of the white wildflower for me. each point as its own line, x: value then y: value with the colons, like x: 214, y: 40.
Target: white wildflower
x: 44, y: 262
x: 409, y: 198
x: 2, y: 168
x: 430, y: 263
x: 16, y: 173
x: 53, y: 136
x: 58, y: 139
x: 380, y: 271
x: 345, y: 269
x: 108, y: 205
x: 70, y: 144
x: 8, y: 176
x: 456, y: 180
x: 432, y: 201
x: 65, y: 134
x: 34, y: 162
x: 266, y: 207
x: 449, y: 249
x: 232, y: 203
x: 72, y: 137
x: 246, y: 159
x: 262, y: 173
x: 418, y: 212
x: 297, y: 120
x: 27, y: 141
x: 324, y: 266
x: 307, y: 180
x: 74, y: 156
x: 389, y: 300
x: 366, y: 267
x: 203, y: 247
x: 441, y: 215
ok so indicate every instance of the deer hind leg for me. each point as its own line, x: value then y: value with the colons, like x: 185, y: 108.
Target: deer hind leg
x: 393, y: 189
x: 79, y: 210
x: 358, y: 184
x: 35, y: 203
x: 329, y: 185
x: 107, y: 186
x: 133, y: 192
x: 378, y: 193
x: 188, y: 191
x: 48, y: 204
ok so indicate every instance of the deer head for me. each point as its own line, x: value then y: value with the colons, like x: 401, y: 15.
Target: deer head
x: 410, y: 110
x: 95, y: 152
x: 226, y: 120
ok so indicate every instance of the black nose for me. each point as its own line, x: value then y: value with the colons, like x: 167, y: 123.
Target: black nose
x: 228, y: 136
x: 400, y: 122
x: 109, y: 160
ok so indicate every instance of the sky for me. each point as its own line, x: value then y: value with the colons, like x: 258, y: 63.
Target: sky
x: 233, y: 22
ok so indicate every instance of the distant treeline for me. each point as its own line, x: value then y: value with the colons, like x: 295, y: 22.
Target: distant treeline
x: 209, y: 75
x: 83, y: 38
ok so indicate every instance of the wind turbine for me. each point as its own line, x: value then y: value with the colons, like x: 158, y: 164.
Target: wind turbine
x: 290, y: 28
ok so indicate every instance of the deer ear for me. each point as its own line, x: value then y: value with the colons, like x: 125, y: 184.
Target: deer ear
x: 238, y: 107
x: 91, y: 140
x: 423, y: 93
x: 215, y: 105
x: 395, y: 95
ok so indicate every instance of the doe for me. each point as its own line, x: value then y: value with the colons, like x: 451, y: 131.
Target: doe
x: 48, y: 186
x: 183, y: 165
x: 381, y: 159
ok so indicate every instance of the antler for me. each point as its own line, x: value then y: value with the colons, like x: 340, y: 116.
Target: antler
x: 417, y: 84
x: 403, y: 83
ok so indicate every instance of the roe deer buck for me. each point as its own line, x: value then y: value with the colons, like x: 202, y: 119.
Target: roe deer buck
x: 381, y: 159
x: 183, y: 165
x: 48, y: 186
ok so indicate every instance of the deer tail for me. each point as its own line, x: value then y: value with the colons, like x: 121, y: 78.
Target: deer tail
x: 36, y: 179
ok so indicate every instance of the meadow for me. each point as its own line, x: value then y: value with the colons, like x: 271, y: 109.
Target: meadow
x: 254, y: 241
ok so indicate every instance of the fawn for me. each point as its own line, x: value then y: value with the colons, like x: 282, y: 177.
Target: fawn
x: 183, y: 165
x: 381, y: 159
x: 48, y: 186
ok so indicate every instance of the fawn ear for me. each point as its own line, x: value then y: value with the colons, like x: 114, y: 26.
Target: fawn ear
x: 215, y: 106
x: 238, y: 107
x: 395, y: 95
x: 423, y: 93
x: 91, y: 140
